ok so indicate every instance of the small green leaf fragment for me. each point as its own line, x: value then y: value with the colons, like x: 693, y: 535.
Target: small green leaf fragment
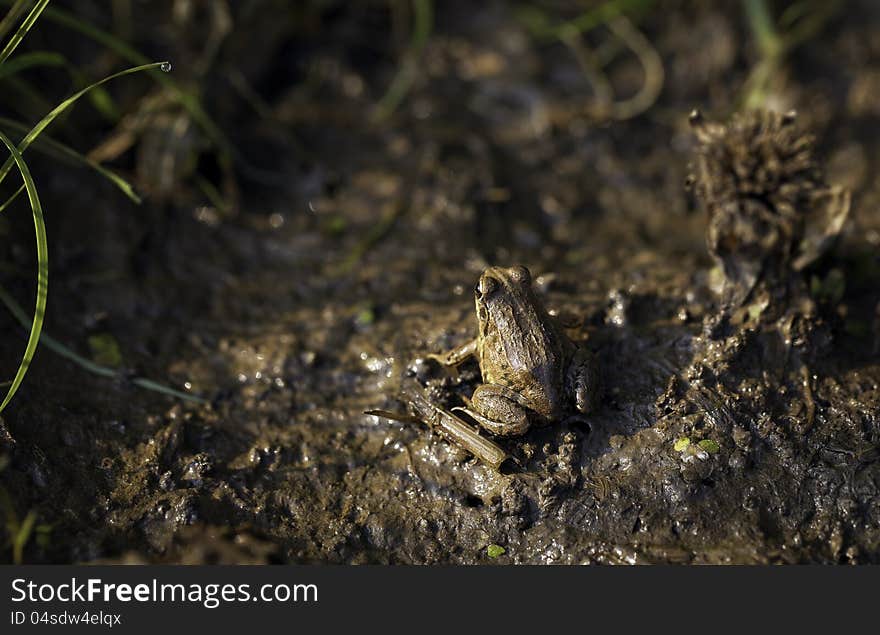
x: 335, y: 226
x: 681, y: 444
x: 104, y: 104
x: 105, y: 350
x: 493, y: 551
x: 366, y: 316
x: 755, y: 310
x: 709, y: 446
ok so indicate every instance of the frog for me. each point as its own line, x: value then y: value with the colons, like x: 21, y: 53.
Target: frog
x: 532, y: 372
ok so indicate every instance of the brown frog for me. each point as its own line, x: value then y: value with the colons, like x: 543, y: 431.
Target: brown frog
x: 532, y: 372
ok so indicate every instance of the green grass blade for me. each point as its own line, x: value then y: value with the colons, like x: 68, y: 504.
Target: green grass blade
x: 42, y: 267
x: 544, y: 27
x: 11, y: 199
x: 64, y: 105
x: 21, y: 537
x: 83, y: 362
x: 100, y: 98
x: 29, y: 60
x: 408, y: 72
x: 19, y: 7
x: 189, y: 101
x: 149, y: 384
x: 22, y: 318
x: 58, y: 149
x: 763, y: 27
x: 23, y: 29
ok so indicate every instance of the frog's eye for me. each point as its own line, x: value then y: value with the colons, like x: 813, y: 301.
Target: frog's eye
x: 520, y: 274
x: 486, y: 286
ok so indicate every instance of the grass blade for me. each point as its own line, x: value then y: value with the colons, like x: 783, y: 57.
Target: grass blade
x: 11, y: 199
x: 544, y: 28
x: 42, y: 268
x: 189, y: 101
x: 21, y: 537
x: 83, y: 362
x: 58, y: 149
x: 29, y: 60
x: 23, y: 29
x: 408, y: 72
x: 67, y: 103
x: 101, y: 100
x: 11, y: 16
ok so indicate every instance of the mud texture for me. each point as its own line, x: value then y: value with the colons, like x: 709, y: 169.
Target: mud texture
x: 733, y: 428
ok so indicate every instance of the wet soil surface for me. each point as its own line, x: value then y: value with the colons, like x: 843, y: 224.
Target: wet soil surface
x: 758, y: 442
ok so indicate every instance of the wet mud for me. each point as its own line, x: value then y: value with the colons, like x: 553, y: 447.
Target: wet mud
x: 732, y: 429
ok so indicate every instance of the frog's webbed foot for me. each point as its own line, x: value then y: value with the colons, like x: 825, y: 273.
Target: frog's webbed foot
x: 583, y: 380
x: 496, y: 409
x: 457, y: 355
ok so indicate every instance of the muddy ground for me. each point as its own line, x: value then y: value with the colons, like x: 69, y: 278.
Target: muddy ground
x: 351, y: 253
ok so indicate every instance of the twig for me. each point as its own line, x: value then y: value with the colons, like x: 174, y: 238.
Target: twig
x: 447, y: 425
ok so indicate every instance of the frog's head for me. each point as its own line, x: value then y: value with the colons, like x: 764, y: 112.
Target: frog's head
x: 503, y: 288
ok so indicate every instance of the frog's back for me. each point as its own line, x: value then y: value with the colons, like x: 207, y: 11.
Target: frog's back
x: 528, y: 353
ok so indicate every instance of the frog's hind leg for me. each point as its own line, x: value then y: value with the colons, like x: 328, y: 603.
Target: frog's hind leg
x: 496, y: 409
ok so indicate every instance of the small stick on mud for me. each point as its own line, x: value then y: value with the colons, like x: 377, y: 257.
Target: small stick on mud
x: 448, y: 425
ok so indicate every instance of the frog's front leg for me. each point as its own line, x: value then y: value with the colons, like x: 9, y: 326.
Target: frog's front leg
x: 583, y: 381
x: 496, y: 409
x: 457, y: 355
